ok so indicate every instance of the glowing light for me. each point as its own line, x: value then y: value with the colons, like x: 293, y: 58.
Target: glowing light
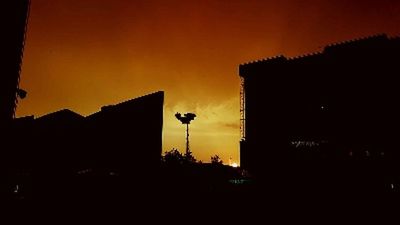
x: 234, y: 165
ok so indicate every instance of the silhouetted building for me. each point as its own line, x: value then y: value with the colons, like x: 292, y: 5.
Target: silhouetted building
x: 340, y: 103
x: 58, y: 141
x: 13, y: 23
x: 120, y: 140
x: 127, y: 137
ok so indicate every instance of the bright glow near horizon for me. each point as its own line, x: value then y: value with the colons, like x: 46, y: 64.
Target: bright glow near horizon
x: 82, y: 55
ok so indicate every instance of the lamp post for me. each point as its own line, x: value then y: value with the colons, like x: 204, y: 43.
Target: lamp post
x: 186, y: 120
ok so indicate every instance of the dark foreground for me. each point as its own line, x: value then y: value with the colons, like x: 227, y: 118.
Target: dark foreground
x: 199, y: 193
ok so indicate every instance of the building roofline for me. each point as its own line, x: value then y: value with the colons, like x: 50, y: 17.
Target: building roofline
x: 127, y: 102
x: 59, y: 112
x: 325, y: 49
x: 265, y: 60
x: 139, y: 98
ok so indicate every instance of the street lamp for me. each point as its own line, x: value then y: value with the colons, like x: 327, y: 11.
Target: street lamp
x: 186, y: 120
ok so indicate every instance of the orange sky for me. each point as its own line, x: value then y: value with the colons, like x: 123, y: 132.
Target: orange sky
x: 82, y: 54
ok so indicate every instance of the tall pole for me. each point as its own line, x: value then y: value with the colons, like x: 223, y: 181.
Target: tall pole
x: 186, y: 120
x: 187, y: 139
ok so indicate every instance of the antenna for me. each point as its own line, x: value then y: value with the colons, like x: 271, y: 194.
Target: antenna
x: 186, y: 120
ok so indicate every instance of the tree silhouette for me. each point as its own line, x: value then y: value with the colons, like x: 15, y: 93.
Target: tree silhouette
x: 175, y: 157
x: 216, y: 160
x: 189, y: 158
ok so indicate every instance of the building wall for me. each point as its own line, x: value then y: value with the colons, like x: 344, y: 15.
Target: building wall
x: 341, y: 100
x: 66, y: 155
x: 13, y: 19
x: 127, y: 137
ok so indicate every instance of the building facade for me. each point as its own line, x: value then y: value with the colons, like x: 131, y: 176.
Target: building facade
x: 340, y: 103
x: 13, y: 21
x: 124, y: 139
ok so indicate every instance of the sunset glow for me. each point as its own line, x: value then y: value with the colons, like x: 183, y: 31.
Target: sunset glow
x: 82, y: 55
